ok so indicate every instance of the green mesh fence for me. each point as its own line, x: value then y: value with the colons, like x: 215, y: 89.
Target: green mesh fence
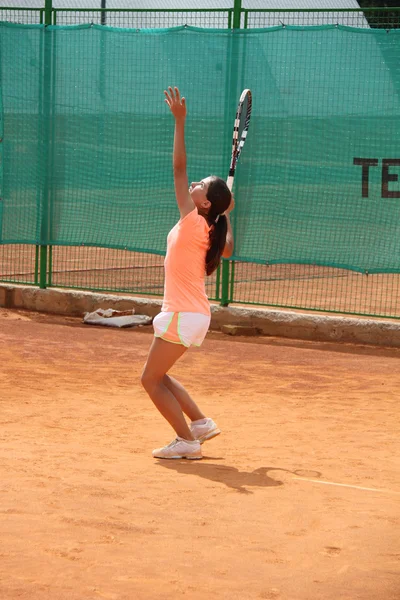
x: 381, y: 18
x: 22, y: 16
x: 145, y: 18
x: 19, y: 264
x: 316, y: 288
x: 104, y: 269
x: 87, y: 156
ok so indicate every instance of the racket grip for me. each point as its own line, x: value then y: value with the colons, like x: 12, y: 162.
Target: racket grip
x: 229, y: 182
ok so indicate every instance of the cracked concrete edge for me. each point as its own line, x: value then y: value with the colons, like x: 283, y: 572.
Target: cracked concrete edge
x: 285, y: 324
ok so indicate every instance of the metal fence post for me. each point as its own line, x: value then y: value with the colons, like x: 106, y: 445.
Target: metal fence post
x: 225, y: 282
x: 48, y: 9
x: 237, y: 13
x: 103, y: 12
x: 227, y: 271
x: 46, y: 133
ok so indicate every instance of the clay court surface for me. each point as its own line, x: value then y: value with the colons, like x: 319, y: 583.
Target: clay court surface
x: 298, y: 499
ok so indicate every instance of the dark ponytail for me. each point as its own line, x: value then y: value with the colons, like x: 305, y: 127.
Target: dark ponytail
x: 217, y: 244
x: 220, y: 197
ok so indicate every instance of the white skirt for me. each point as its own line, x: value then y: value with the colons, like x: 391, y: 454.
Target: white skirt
x: 185, y: 328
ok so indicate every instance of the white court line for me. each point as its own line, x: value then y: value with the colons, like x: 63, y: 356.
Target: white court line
x: 356, y: 487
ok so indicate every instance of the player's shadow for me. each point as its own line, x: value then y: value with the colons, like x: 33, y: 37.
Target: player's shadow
x: 230, y: 476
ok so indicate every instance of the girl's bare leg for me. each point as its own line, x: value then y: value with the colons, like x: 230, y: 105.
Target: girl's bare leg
x: 187, y: 404
x: 162, y: 356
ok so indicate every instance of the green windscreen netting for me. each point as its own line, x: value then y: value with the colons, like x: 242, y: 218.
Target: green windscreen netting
x: 87, y: 143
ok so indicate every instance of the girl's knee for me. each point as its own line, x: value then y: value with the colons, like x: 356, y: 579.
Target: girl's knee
x: 149, y: 380
x: 145, y: 379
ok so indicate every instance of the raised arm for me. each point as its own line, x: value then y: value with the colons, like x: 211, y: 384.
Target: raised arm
x: 228, y: 249
x: 177, y: 106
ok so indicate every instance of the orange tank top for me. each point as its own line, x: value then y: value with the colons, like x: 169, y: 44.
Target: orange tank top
x: 185, y: 266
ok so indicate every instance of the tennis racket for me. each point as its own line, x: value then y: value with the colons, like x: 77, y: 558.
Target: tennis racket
x: 240, y: 129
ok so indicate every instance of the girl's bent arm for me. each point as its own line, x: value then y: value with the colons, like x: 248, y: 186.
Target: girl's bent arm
x: 228, y: 249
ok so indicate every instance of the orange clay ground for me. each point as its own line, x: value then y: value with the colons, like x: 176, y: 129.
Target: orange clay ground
x: 298, y: 499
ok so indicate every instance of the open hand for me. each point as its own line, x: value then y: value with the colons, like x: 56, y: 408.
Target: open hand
x: 176, y: 104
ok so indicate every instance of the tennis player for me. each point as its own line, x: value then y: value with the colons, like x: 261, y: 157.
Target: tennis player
x: 194, y: 248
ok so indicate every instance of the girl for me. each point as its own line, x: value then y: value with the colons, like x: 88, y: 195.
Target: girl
x: 194, y: 247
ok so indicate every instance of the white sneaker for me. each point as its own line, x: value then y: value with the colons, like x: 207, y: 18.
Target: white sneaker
x: 204, y: 429
x: 180, y: 448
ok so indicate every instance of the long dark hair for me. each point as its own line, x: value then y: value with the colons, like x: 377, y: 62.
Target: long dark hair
x: 220, y: 197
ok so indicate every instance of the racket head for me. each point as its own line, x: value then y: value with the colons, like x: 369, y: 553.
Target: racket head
x: 240, y: 128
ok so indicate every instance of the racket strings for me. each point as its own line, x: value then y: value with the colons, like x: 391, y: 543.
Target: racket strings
x: 240, y: 127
